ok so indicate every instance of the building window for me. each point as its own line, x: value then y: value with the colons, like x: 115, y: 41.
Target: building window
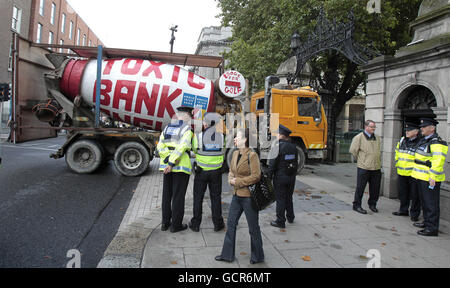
x: 90, y: 43
x: 84, y: 40
x: 50, y: 37
x: 52, y: 16
x: 71, y: 30
x: 41, y: 7
x: 63, y: 23
x: 61, y: 42
x: 10, y: 62
x: 39, y: 33
x: 78, y: 36
x: 16, y: 18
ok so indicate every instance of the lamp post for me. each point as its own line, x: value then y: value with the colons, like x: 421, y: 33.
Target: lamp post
x: 172, y: 40
x: 295, y: 46
x: 295, y: 41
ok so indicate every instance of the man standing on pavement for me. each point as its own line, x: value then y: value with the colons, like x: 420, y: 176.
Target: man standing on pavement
x: 173, y: 148
x: 407, y: 185
x: 283, y: 168
x: 209, y: 150
x: 428, y: 169
x: 365, y: 148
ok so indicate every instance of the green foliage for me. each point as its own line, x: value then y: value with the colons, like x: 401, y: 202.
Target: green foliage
x: 262, y: 30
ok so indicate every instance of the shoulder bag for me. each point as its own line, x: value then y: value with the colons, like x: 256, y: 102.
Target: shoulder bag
x: 262, y: 193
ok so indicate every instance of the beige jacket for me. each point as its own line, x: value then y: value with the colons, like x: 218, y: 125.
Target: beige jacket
x: 241, y: 171
x: 366, y: 152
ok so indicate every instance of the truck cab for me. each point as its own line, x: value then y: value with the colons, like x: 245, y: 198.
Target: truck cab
x: 301, y: 111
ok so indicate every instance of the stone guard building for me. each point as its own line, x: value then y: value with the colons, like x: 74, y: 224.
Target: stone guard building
x: 412, y: 84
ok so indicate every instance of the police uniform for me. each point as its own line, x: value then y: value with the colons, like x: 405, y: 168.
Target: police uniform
x: 429, y: 163
x: 407, y: 185
x: 173, y: 148
x: 209, y: 150
x: 283, y: 168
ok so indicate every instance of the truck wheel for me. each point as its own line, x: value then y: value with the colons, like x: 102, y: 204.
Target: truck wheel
x: 301, y: 159
x: 131, y: 159
x: 84, y: 156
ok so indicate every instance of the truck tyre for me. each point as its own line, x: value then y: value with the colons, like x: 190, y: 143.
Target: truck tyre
x: 301, y: 159
x: 131, y: 159
x: 84, y: 156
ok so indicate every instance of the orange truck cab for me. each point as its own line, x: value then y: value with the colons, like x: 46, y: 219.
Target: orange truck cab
x: 301, y: 111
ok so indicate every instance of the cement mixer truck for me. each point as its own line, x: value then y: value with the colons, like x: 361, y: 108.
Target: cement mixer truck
x: 140, y: 92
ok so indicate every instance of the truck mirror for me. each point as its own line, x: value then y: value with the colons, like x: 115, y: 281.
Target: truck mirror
x: 274, y: 80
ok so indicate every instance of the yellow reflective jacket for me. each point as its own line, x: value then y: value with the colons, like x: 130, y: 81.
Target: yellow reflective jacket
x: 404, y: 156
x: 209, y: 149
x: 430, y: 159
x: 174, y: 146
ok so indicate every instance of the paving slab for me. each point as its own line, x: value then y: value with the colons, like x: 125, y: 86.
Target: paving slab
x: 326, y: 231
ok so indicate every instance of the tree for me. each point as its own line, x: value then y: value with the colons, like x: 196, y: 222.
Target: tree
x: 262, y: 30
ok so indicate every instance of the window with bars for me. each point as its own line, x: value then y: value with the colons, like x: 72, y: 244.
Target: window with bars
x: 16, y: 18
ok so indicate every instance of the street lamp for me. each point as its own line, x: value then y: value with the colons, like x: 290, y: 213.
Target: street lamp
x: 172, y: 40
x: 295, y: 41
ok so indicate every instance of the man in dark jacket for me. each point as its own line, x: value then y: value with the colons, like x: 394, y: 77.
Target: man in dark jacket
x: 283, y: 169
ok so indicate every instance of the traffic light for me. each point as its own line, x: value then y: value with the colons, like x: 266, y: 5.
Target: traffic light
x: 4, y: 92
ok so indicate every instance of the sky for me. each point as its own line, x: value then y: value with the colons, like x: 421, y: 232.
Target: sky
x: 145, y: 24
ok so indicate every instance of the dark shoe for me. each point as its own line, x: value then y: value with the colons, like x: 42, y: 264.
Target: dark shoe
x: 220, y: 258
x: 194, y: 227
x: 398, y: 213
x: 360, y: 210
x: 175, y: 230
x: 165, y: 227
x: 374, y: 209
x: 256, y: 262
x: 278, y: 225
x: 290, y: 221
x: 426, y: 232
x: 419, y: 225
x: 218, y: 228
x: 414, y: 219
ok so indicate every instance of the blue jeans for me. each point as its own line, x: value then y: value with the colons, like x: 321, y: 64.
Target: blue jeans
x: 239, y: 205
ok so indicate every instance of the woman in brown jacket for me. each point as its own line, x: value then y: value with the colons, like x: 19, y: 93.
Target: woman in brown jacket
x: 241, y: 176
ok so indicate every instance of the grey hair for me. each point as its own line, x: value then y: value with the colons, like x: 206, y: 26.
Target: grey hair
x: 367, y: 122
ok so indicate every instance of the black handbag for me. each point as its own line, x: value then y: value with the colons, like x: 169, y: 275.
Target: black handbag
x: 262, y: 193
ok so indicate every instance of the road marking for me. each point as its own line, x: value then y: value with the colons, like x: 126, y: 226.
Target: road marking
x: 32, y: 148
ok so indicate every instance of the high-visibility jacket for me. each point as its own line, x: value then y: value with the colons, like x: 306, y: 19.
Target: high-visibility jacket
x: 404, y: 155
x: 174, y: 146
x: 209, y: 149
x: 430, y: 159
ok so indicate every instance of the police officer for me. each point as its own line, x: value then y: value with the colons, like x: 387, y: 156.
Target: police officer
x: 407, y: 185
x: 209, y: 150
x: 429, y: 171
x: 173, y: 148
x: 283, y: 168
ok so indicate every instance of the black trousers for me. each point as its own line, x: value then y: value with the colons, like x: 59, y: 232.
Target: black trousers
x: 174, y: 192
x: 284, y: 189
x: 430, y: 204
x: 373, y: 177
x: 408, y: 192
x: 213, y: 180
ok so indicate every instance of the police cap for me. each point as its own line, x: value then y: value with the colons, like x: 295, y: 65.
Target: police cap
x: 424, y: 122
x: 411, y: 126
x: 284, y: 130
x: 185, y: 109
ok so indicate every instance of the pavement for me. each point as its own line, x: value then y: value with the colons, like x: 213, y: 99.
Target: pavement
x: 326, y: 231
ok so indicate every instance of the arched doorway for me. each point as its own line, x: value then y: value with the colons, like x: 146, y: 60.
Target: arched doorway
x: 416, y: 102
